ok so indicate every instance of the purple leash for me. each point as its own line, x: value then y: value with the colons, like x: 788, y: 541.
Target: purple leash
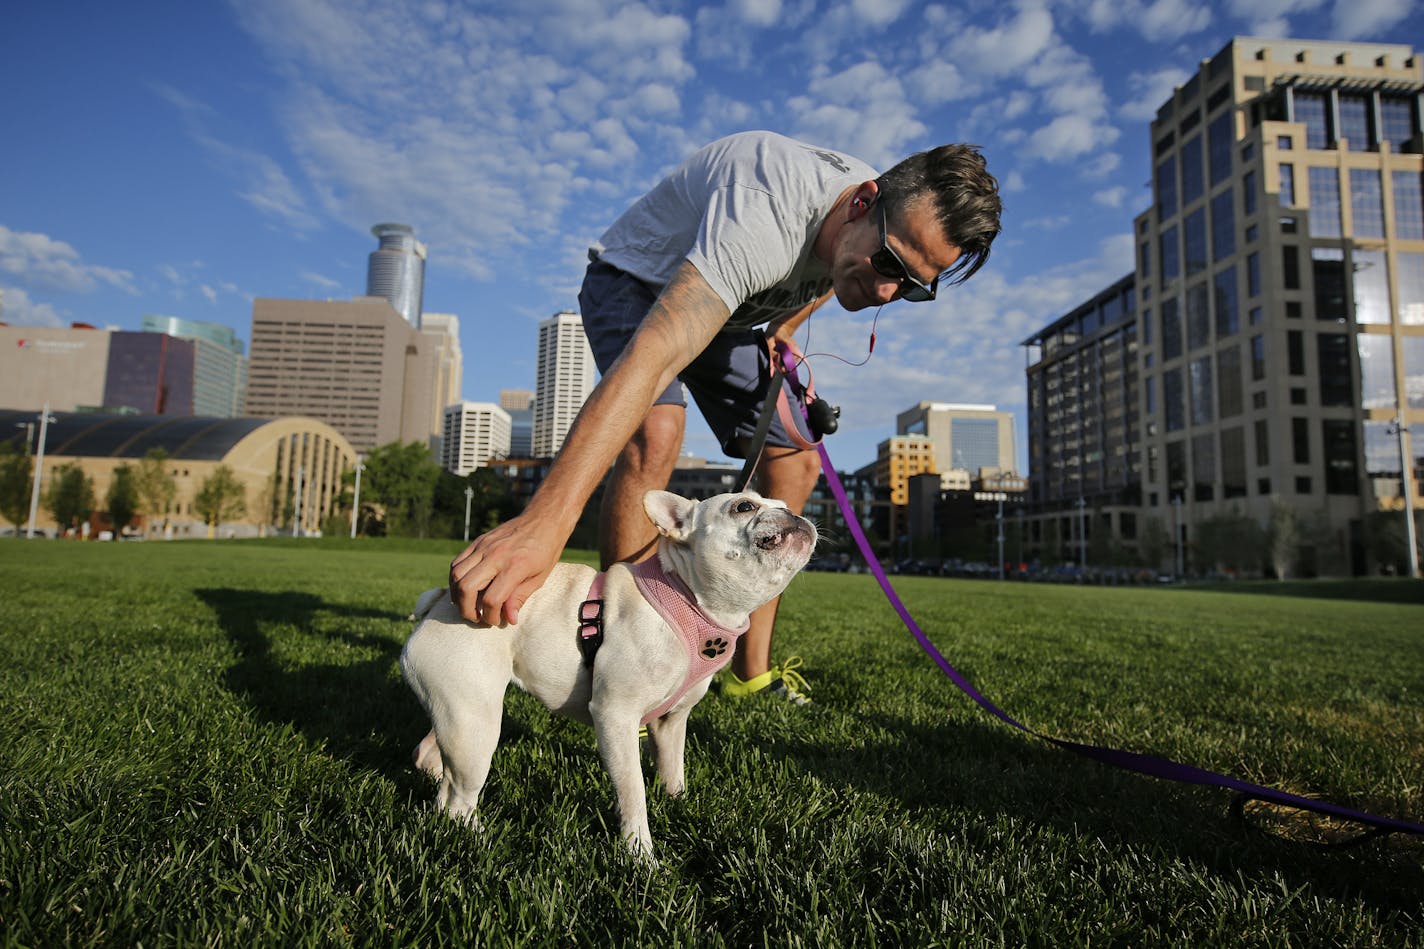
x: 1127, y: 760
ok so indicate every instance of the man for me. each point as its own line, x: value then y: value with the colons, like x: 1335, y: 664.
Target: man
x: 753, y: 229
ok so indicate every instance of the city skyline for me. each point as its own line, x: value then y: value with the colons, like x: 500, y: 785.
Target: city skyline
x: 144, y: 182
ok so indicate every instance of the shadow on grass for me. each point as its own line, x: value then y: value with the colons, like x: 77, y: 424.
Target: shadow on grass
x: 357, y: 709
x: 991, y: 771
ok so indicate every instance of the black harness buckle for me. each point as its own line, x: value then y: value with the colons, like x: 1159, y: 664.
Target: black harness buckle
x: 590, y: 629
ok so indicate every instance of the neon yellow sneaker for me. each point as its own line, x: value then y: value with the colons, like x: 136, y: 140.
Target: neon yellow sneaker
x: 781, y: 681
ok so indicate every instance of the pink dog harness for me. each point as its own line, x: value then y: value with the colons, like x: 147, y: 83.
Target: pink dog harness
x: 709, y: 645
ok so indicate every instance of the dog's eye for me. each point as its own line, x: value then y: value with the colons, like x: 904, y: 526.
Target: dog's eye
x: 744, y: 507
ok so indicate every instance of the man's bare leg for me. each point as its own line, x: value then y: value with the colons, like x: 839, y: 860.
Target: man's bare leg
x: 789, y: 475
x: 646, y: 464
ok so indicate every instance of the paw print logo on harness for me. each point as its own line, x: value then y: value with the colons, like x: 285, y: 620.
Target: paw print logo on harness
x: 714, y: 647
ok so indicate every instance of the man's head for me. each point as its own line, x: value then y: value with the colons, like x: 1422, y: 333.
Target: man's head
x: 933, y: 215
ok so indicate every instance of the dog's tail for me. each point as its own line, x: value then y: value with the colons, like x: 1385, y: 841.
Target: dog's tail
x: 424, y: 603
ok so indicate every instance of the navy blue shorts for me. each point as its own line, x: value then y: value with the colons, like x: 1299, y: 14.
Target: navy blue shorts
x: 728, y: 381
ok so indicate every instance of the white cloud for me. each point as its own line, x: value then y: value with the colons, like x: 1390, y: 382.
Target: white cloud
x: 756, y: 12
x: 1111, y: 197
x: 879, y: 12
x: 1006, y: 49
x: 326, y: 283
x: 1271, y: 18
x: 1159, y: 21
x: 1363, y: 19
x: 39, y: 261
x: 1149, y: 91
x: 18, y: 309
x: 863, y: 109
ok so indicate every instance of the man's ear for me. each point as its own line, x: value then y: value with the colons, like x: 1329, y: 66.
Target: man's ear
x: 672, y: 514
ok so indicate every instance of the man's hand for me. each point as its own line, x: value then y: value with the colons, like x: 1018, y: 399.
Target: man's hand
x: 491, y: 578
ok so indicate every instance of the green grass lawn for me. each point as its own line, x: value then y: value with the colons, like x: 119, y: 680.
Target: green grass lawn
x: 208, y: 743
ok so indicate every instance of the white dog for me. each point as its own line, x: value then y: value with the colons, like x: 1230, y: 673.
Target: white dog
x: 665, y: 626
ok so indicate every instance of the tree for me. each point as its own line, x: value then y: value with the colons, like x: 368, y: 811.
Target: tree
x: 402, y: 476
x: 221, y: 497
x: 1230, y: 541
x: 70, y: 498
x: 1152, y: 546
x: 155, y: 486
x: 15, y: 484
x: 490, y: 502
x: 1284, y: 534
x: 122, y: 498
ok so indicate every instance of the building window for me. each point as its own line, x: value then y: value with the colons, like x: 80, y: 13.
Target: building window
x: 1252, y: 233
x: 1258, y: 400
x: 1194, y: 231
x: 1176, y: 469
x: 1253, y: 274
x: 1150, y: 393
x: 1228, y: 382
x: 1198, y: 319
x: 1412, y: 348
x: 1366, y: 202
x: 1248, y: 193
x: 1173, y: 414
x: 1300, y: 441
x: 1410, y: 278
x: 1337, y: 445
x: 1382, y: 467
x: 1324, y: 202
x: 1255, y: 316
x: 1171, y: 259
x: 1302, y: 484
x: 1396, y: 121
x: 1408, y: 206
x: 1287, y: 186
x: 1248, y: 153
x: 1204, y: 467
x: 1311, y: 109
x: 1220, y: 139
x: 1371, y: 287
x: 1290, y: 267
x: 1201, y: 391
x: 1233, y: 463
x: 1376, y: 371
x: 1258, y: 358
x: 1144, y: 258
x: 1295, y: 352
x: 1332, y: 353
x: 1192, y: 181
x: 1283, y: 143
x: 1355, y: 123
x: 1227, y: 307
x: 1293, y: 309
x: 1223, y: 226
x: 1263, y: 443
x: 1327, y: 266
x: 1167, y: 188
x: 1171, y: 329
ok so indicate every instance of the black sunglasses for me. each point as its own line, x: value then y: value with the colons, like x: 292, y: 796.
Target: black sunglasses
x: 887, y: 263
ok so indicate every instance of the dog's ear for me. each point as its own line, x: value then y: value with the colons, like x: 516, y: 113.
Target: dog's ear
x: 671, y: 514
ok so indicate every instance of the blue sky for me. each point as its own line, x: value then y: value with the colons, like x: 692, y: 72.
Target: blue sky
x: 184, y: 158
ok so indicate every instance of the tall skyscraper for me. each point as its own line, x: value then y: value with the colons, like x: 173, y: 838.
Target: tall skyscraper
x: 966, y: 437
x: 476, y: 433
x: 566, y: 374
x: 1277, y: 324
x: 442, y: 332
x: 396, y: 270
x: 519, y: 403
x: 355, y: 365
x: 220, y: 369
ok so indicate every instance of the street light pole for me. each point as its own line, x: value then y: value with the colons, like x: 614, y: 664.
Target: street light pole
x: 1083, y: 535
x: 469, y: 496
x: 1177, y: 508
x: 1406, y: 488
x: 356, y: 502
x: 45, y: 419
x: 1000, y: 519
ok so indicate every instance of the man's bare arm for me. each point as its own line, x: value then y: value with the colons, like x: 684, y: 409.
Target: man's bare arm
x: 493, y: 577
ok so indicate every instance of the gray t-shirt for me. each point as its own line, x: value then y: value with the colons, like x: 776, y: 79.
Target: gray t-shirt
x: 745, y: 211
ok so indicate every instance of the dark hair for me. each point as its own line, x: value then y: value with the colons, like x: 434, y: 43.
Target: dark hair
x: 965, y: 195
